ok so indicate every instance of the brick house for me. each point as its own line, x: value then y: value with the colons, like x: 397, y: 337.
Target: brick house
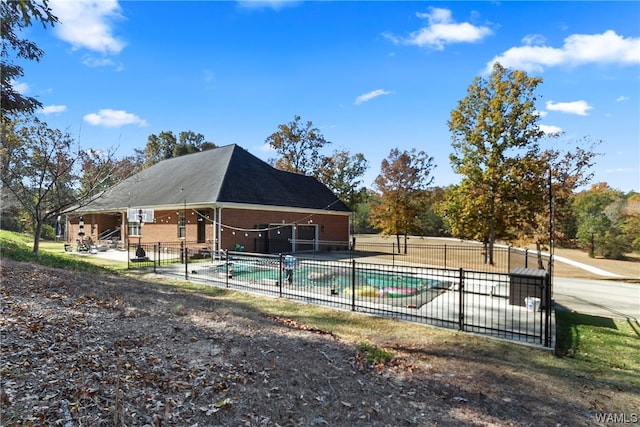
x: 221, y: 198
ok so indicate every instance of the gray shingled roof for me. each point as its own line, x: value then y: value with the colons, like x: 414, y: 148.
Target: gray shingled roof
x: 228, y: 174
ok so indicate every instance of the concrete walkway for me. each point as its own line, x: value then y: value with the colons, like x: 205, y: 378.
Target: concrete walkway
x: 586, y: 267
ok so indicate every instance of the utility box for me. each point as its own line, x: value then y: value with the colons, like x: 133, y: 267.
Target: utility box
x: 527, y: 283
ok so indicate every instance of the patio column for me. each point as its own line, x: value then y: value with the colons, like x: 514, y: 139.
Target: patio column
x: 124, y: 230
x: 219, y: 223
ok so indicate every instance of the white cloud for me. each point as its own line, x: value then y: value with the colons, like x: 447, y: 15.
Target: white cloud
x: 551, y: 130
x: 370, y: 95
x: 533, y: 39
x: 88, y: 24
x: 581, y: 108
x: 20, y: 87
x: 442, y: 30
x: 542, y: 113
x: 622, y: 98
x: 578, y: 49
x: 113, y: 118
x: 93, y: 62
x: 51, y: 109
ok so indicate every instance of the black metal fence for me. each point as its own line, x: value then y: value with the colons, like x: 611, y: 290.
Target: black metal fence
x: 468, y: 255
x: 514, y: 306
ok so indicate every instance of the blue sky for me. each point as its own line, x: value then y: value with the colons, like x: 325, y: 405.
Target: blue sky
x: 371, y: 76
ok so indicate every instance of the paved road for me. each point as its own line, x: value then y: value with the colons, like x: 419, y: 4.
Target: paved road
x: 604, y: 298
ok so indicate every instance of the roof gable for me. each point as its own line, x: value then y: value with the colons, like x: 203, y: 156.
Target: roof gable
x: 250, y: 180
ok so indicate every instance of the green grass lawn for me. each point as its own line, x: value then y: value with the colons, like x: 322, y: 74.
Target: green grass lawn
x: 20, y: 247
x: 599, y: 345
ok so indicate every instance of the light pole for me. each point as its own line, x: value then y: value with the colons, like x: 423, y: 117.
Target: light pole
x: 140, y: 253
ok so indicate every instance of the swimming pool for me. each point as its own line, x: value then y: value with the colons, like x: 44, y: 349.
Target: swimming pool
x: 368, y: 283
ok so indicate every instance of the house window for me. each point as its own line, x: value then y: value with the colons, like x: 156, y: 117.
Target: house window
x: 182, y: 230
x: 135, y: 229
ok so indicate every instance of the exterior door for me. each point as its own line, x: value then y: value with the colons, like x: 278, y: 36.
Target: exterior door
x: 280, y: 238
x: 305, y: 238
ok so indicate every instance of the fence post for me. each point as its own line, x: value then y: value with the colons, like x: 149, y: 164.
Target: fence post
x: 547, y: 310
x: 186, y: 261
x: 526, y: 258
x: 227, y: 264
x: 156, y: 257
x: 461, y: 302
x: 353, y: 285
x: 393, y: 253
x: 280, y: 267
x: 445, y: 256
x: 508, y: 259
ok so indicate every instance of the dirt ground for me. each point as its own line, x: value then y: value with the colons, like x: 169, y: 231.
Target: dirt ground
x: 628, y: 269
x: 84, y: 350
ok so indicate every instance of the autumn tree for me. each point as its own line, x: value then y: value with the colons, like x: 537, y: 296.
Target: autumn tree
x: 567, y: 171
x: 300, y: 146
x: 15, y: 18
x: 631, y: 223
x: 166, y: 145
x: 600, y: 220
x: 542, y: 202
x: 342, y: 173
x: 429, y: 222
x: 495, y: 135
x: 40, y: 169
x: 101, y: 170
x: 463, y: 210
x: 403, y: 176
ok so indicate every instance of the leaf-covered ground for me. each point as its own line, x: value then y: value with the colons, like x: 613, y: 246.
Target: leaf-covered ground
x: 84, y: 350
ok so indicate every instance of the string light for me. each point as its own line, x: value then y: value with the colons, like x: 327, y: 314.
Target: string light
x: 308, y: 219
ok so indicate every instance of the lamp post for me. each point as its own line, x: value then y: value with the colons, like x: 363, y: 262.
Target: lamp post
x: 82, y: 247
x: 140, y: 253
x: 81, y: 227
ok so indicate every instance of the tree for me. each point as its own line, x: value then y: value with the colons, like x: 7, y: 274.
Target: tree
x: 360, y: 219
x: 15, y: 17
x: 599, y: 214
x: 40, y: 169
x: 429, y: 222
x: 165, y: 145
x: 100, y: 170
x: 567, y: 171
x: 494, y: 132
x: 463, y: 211
x: 191, y: 142
x: 403, y: 175
x: 298, y: 146
x: 342, y: 173
x: 631, y: 223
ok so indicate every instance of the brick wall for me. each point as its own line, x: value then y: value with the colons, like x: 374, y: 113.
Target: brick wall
x: 240, y: 226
